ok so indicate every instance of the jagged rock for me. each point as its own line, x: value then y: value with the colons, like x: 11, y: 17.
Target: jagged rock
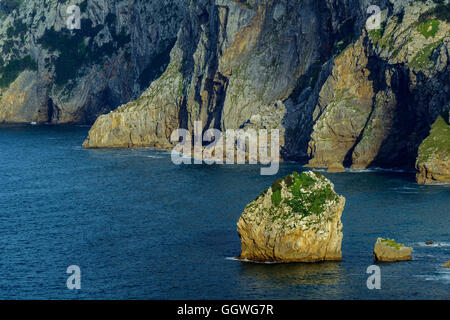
x: 433, y: 161
x: 241, y: 59
x: 49, y: 74
x: 298, y: 219
x: 388, y: 250
x: 446, y: 265
x: 375, y: 107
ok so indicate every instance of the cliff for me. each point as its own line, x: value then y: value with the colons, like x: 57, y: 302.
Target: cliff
x: 297, y: 220
x: 50, y: 74
x: 340, y: 95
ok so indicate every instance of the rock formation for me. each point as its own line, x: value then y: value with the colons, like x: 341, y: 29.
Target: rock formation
x: 446, y: 265
x: 388, y: 250
x: 298, y: 219
x: 433, y: 161
x: 49, y: 74
x: 340, y: 94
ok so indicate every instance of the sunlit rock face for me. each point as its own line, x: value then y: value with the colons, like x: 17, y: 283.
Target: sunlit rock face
x: 49, y: 74
x: 433, y: 161
x: 341, y: 95
x: 298, y: 219
x: 388, y: 250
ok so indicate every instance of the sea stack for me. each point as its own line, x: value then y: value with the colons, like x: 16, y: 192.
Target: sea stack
x: 388, y: 250
x: 298, y: 219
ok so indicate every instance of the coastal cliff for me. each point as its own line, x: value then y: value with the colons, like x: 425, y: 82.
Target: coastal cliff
x: 50, y: 74
x: 297, y: 220
x: 341, y: 95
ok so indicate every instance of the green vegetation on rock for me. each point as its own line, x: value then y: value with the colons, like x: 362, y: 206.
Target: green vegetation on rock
x: 391, y: 243
x: 10, y: 71
x: 437, y: 142
x: 422, y: 58
x: 73, y: 51
x: 305, y: 202
x: 429, y: 28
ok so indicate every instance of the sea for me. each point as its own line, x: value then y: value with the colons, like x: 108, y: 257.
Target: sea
x: 140, y: 227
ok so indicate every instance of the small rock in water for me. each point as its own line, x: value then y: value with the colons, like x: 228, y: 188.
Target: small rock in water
x: 298, y: 219
x: 429, y: 243
x: 389, y: 251
x: 446, y: 265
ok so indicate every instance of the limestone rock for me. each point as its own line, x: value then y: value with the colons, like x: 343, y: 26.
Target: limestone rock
x: 49, y: 74
x: 433, y: 161
x: 375, y: 107
x: 298, y: 219
x: 388, y: 250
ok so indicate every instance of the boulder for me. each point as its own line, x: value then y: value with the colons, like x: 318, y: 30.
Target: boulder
x: 446, y: 265
x: 389, y: 250
x: 298, y: 219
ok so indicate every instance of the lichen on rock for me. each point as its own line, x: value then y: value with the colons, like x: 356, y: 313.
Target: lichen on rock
x: 298, y: 219
x: 389, y: 251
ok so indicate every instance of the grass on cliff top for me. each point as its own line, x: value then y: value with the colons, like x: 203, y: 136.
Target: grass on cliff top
x: 429, y: 28
x: 302, y: 203
x: 422, y: 58
x: 438, y: 142
x: 391, y: 243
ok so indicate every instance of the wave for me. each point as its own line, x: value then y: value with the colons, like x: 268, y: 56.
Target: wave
x: 250, y: 261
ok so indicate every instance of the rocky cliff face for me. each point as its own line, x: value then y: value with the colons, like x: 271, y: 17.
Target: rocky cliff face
x: 243, y: 64
x: 297, y: 220
x: 340, y: 95
x: 433, y: 162
x: 384, y: 92
x: 49, y: 74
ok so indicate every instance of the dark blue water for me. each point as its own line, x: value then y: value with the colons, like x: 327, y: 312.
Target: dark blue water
x: 140, y: 227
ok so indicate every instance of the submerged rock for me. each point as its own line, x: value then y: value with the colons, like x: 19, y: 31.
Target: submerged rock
x: 389, y: 250
x: 433, y: 162
x: 298, y: 219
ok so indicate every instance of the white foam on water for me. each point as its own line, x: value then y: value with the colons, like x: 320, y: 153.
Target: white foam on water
x: 435, y: 244
x: 250, y: 261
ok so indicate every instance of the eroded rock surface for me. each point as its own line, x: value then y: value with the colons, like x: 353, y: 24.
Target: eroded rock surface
x: 49, y: 74
x: 433, y: 161
x: 298, y: 219
x: 388, y: 250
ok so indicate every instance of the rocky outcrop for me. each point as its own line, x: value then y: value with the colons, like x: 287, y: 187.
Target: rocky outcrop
x: 245, y: 64
x: 339, y: 94
x: 298, y: 219
x: 388, y: 250
x: 433, y: 161
x: 446, y: 265
x: 49, y: 74
x: 384, y: 91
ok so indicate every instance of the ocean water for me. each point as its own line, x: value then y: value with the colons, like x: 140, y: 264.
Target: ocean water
x: 140, y: 227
